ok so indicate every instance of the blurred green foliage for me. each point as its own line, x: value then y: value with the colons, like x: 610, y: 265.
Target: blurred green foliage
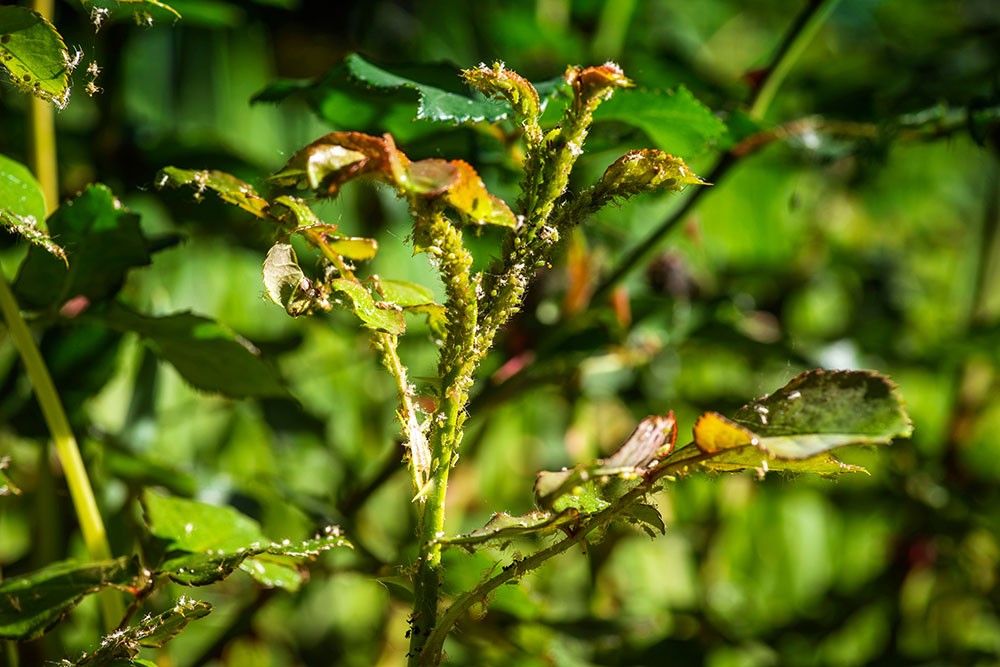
x: 873, y: 244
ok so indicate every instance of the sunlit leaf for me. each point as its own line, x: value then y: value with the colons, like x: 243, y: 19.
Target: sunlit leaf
x: 353, y: 247
x: 204, y: 352
x: 150, y: 632
x: 795, y: 427
x: 32, y: 603
x: 431, y: 177
x: 22, y: 206
x: 229, y: 188
x: 102, y: 240
x: 332, y: 160
x: 503, y: 526
x: 676, y: 121
x: 387, y: 319
x: 643, y: 171
x: 34, y: 54
x: 470, y: 198
x: 403, y: 294
x: 434, y: 103
x: 219, y: 540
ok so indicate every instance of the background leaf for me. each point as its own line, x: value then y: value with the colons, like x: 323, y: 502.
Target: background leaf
x: 676, y: 121
x: 205, y: 353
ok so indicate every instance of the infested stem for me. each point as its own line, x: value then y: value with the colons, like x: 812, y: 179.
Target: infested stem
x: 386, y: 344
x: 431, y: 654
x: 457, y: 363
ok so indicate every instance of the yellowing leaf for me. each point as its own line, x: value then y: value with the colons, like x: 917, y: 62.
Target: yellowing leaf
x: 713, y: 432
x: 470, y: 198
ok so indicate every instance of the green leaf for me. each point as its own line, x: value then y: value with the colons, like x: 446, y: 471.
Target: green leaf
x: 123, y: 646
x: 434, y: 103
x: 7, y: 487
x: 793, y: 428
x: 229, y: 188
x: 353, y: 247
x: 205, y: 353
x: 220, y: 540
x: 102, y: 241
x: 503, y: 526
x: 33, y: 603
x: 676, y: 121
x: 34, y: 54
x: 20, y: 193
x: 137, y: 470
x: 403, y: 294
x: 579, y: 487
x: 371, y: 315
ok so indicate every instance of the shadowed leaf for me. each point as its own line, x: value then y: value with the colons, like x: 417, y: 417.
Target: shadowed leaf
x: 102, y: 241
x: 285, y: 282
x: 33, y: 603
x: 205, y: 353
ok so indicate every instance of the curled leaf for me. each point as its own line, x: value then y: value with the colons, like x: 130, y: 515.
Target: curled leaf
x: 332, y: 160
x: 500, y: 82
x: 651, y: 442
x: 593, y: 85
x: 644, y: 170
x: 285, y: 282
x: 469, y: 197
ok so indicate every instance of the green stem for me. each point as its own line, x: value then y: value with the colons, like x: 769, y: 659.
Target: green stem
x: 806, y: 25
x: 612, y: 28
x: 80, y: 490
x: 42, y: 151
